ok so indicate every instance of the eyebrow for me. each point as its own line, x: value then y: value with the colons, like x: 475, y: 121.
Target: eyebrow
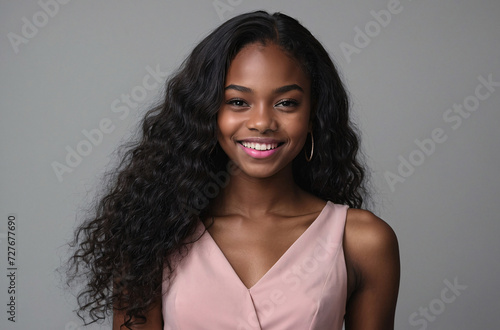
x: 279, y: 90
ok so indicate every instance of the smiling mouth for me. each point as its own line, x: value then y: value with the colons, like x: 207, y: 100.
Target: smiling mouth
x: 260, y: 146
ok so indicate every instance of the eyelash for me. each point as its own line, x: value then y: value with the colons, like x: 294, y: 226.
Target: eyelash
x: 291, y: 103
x: 233, y: 102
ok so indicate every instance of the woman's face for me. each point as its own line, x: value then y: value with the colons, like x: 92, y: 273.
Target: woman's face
x: 264, y: 119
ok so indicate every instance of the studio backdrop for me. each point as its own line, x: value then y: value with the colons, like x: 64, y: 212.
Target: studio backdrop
x: 424, y: 81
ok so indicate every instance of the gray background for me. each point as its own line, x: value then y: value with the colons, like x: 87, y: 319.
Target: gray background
x: 66, y: 77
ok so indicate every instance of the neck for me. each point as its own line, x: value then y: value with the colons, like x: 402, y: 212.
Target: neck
x: 254, y: 197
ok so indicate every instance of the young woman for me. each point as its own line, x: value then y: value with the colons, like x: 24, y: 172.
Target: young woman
x: 238, y: 208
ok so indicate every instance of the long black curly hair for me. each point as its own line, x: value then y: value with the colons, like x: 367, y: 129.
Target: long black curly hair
x: 151, y: 206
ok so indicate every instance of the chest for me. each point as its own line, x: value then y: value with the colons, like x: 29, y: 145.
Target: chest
x: 253, y: 249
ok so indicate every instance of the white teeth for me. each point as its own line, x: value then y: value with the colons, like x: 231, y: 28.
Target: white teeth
x: 259, y: 146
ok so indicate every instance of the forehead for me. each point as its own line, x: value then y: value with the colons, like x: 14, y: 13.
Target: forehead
x: 259, y: 64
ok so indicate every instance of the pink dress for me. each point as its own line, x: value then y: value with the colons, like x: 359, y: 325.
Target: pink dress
x: 305, y: 289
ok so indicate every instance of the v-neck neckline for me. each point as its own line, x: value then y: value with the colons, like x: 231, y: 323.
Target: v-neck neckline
x: 283, y: 256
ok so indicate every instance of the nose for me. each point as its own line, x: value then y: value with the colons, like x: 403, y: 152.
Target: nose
x: 262, y: 119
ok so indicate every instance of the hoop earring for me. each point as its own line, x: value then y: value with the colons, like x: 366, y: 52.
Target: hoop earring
x: 312, y: 149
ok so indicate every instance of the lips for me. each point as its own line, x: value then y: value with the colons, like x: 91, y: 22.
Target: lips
x: 260, y: 147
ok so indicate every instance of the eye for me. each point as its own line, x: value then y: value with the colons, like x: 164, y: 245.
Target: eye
x: 288, y: 103
x: 237, y: 103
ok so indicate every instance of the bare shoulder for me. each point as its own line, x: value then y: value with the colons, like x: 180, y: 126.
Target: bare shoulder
x: 373, y: 268
x: 368, y: 235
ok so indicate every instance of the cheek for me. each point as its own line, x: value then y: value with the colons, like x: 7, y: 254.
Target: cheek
x: 226, y: 125
x: 302, y: 139
x: 298, y: 129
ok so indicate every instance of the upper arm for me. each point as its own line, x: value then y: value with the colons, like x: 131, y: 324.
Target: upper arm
x: 154, y: 319
x: 372, y: 258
